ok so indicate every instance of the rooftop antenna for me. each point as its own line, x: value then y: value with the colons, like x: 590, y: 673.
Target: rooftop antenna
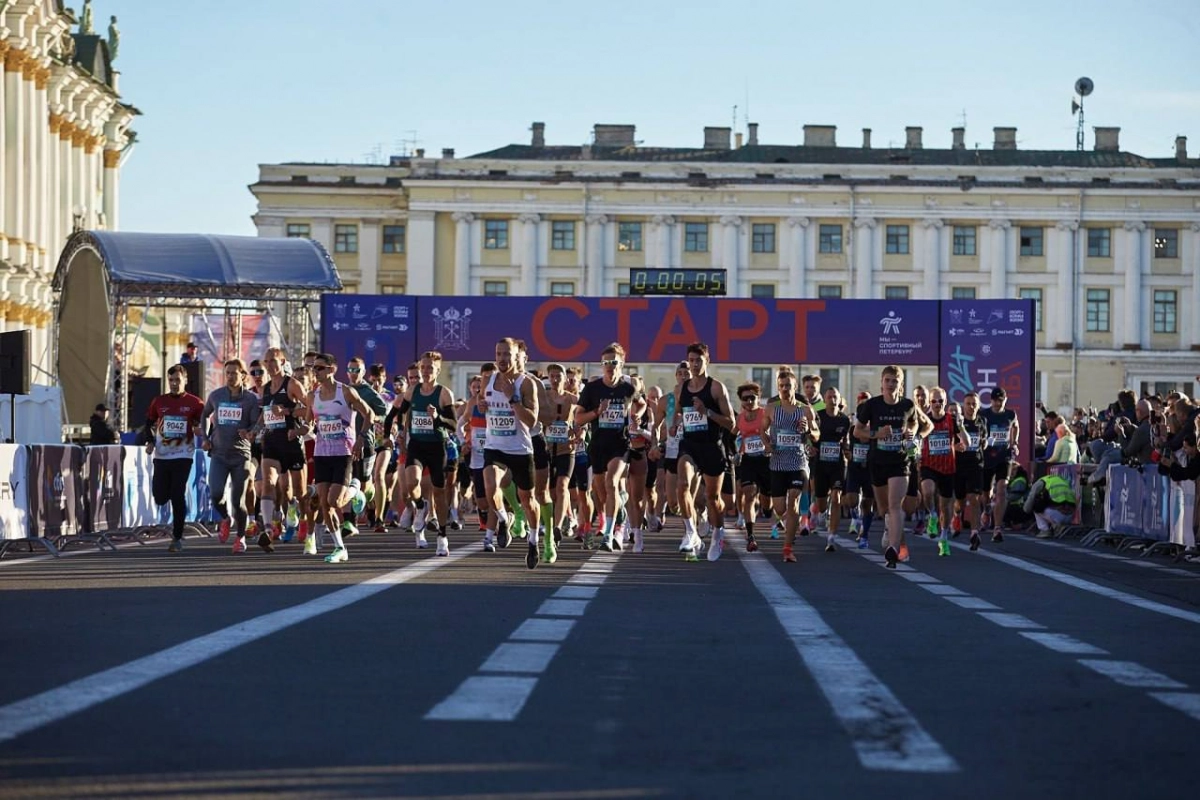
x: 964, y: 119
x: 734, y: 126
x: 1083, y: 87
x: 407, y: 144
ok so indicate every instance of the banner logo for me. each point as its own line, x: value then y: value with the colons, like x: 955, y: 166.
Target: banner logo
x: 452, y: 329
x: 891, y: 324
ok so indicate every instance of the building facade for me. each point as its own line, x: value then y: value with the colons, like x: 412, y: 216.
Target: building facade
x: 1106, y: 242
x: 64, y: 135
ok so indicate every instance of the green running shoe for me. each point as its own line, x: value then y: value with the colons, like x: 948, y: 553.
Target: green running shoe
x: 943, y: 548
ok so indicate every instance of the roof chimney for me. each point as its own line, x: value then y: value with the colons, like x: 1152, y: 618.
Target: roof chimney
x: 716, y: 138
x: 1108, y: 138
x: 959, y: 136
x: 820, y: 135
x: 912, y: 138
x: 866, y: 138
x: 613, y: 135
x: 447, y: 152
x: 420, y: 152
x: 753, y: 126
x: 1006, y: 139
x: 1181, y: 148
x: 539, y: 135
x: 737, y: 140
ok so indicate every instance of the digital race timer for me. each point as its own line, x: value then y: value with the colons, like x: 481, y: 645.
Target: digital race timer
x: 650, y: 280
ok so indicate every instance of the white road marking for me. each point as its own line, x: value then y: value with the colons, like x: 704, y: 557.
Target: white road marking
x: 918, y: 577
x: 973, y: 603
x: 1062, y: 643
x: 543, y: 630
x: 562, y: 608
x: 1015, y: 621
x: 577, y: 592
x: 1130, y: 673
x: 485, y: 698
x: 940, y: 588
x: 71, y: 698
x: 529, y: 657
x: 588, y: 578
x: 1180, y: 701
x: 885, y: 734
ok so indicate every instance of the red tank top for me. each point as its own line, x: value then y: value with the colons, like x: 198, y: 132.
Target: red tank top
x: 750, y: 433
x: 937, y: 452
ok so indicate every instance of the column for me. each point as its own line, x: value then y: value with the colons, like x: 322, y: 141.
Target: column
x: 1192, y: 236
x: 368, y: 256
x: 864, y: 257
x: 5, y: 296
x: 270, y: 227
x: 1134, y: 301
x: 29, y: 184
x: 112, y: 160
x: 926, y: 256
x: 421, y: 230
x: 66, y: 176
x: 731, y: 231
x: 1060, y: 258
x: 14, y: 154
x: 4, y: 46
x: 999, y: 246
x: 322, y: 233
x: 798, y: 274
x: 527, y: 285
x: 462, y: 251
x: 663, y: 233
x: 593, y: 265
x: 46, y: 248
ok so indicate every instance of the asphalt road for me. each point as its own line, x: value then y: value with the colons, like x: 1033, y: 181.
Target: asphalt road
x: 1030, y: 669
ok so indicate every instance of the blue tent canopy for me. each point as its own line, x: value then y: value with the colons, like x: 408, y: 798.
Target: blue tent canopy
x: 185, y: 265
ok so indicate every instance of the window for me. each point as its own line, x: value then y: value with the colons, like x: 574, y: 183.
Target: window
x: 962, y: 293
x: 897, y: 239
x: 829, y: 292
x: 764, y: 377
x: 830, y: 378
x: 495, y: 288
x: 299, y: 230
x: 1164, y: 311
x: 695, y: 237
x: 895, y: 293
x: 495, y: 234
x: 349, y: 288
x: 1166, y: 243
x: 623, y: 289
x: 1099, y: 243
x: 762, y: 238
x: 964, y: 240
x: 1036, y: 296
x: 762, y: 291
x: 390, y: 288
x: 562, y: 235
x: 829, y: 239
x: 1031, y: 242
x: 393, y: 238
x: 345, y: 238
x: 562, y: 288
x: 1097, y: 310
x: 629, y: 237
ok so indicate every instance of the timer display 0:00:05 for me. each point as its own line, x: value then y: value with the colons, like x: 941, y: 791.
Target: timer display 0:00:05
x: 677, y: 281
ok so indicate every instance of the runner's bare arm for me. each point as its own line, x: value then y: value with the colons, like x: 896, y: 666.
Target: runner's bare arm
x: 724, y: 414
x: 526, y: 406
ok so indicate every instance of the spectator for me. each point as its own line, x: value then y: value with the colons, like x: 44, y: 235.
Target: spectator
x: 1126, y: 405
x: 189, y: 354
x: 1052, y: 502
x: 1137, y: 441
x: 1066, y: 450
x: 1049, y: 433
x: 102, y: 430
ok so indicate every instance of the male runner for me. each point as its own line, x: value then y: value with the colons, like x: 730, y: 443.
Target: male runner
x: 234, y: 412
x: 172, y: 422
x: 968, y: 467
x: 428, y: 412
x: 283, y: 401
x: 938, y: 467
x: 1000, y: 450
x: 829, y: 473
x: 791, y: 427
x: 559, y: 422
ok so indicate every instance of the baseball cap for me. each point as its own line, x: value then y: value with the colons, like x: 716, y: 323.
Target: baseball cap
x: 998, y: 393
x: 101, y: 407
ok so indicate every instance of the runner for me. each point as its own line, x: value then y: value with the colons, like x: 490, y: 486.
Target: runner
x: 702, y: 404
x: 968, y: 467
x: 1000, y: 450
x: 234, y: 413
x: 670, y: 435
x: 428, y: 411
x: 886, y: 420
x: 829, y: 473
x: 791, y: 426
x: 561, y: 430
x: 282, y: 402
x: 333, y: 406
x: 938, y: 467
x: 859, y: 496
x: 641, y: 454
x: 541, y: 454
x: 172, y: 423
x: 364, y: 462
x: 511, y: 405
x: 581, y: 477
x: 609, y: 404
x: 755, y: 467
x: 473, y: 423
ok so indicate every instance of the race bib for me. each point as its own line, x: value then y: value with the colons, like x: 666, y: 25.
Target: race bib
x: 831, y: 451
x: 422, y: 421
x: 973, y: 441
x: 331, y: 428
x: 174, y: 427
x: 1000, y: 437
x: 229, y: 414
x: 557, y: 433
x: 859, y: 452
x: 755, y: 446
x: 788, y: 441
x: 613, y: 417
x: 501, y: 422
x: 274, y: 420
x: 672, y: 447
x: 694, y: 421
x: 939, y: 443
x: 893, y: 442
x: 478, y: 438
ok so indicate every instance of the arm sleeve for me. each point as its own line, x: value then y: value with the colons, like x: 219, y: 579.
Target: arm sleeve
x: 447, y: 419
x: 393, y: 416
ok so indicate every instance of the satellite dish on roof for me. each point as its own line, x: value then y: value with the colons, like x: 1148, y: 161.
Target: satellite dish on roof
x: 1084, y: 87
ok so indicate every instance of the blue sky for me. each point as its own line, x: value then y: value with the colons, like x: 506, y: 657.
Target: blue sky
x: 228, y: 84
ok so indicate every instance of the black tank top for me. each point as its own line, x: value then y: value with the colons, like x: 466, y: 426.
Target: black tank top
x: 270, y: 399
x: 698, y: 427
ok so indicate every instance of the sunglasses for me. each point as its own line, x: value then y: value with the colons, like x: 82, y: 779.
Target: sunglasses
x: 321, y: 368
x: 256, y: 372
x: 937, y: 402
x: 354, y: 370
x: 749, y: 398
x: 613, y: 362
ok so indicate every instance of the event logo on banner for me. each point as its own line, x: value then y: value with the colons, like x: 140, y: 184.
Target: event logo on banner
x: 1156, y: 505
x: 378, y: 328
x: 990, y: 343
x: 56, y: 496
x: 199, y: 495
x: 138, y: 507
x: 105, y: 484
x: 14, y: 491
x: 1123, y: 503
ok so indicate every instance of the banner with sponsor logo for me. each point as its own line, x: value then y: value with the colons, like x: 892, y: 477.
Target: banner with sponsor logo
x: 378, y: 328
x: 104, y: 485
x: 1123, y: 504
x: 990, y: 343
x: 56, y: 492
x: 14, y: 491
x: 137, y: 506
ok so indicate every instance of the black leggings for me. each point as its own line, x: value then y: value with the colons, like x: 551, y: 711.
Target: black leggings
x: 170, y: 485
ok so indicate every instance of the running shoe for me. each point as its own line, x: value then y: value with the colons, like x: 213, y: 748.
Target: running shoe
x: 863, y: 543
x: 223, y: 531
x: 489, y: 542
x: 293, y: 516
x: 606, y: 544
x: 421, y: 543
x: 420, y: 517
x: 804, y: 525
x: 503, y: 534
x: 717, y: 546
x: 904, y: 553
x: 310, y: 546
x: 775, y: 530
x: 855, y: 527
x: 549, y: 551
x: 620, y: 533
x: 289, y: 533
x: 943, y: 548
x: 891, y: 557
x: 337, y: 556
x: 276, y: 529
x: 618, y: 545
x: 639, y: 541
x: 997, y: 536
x: 264, y: 541
x: 239, y: 545
x: 518, y: 527
x: 829, y: 547
x: 931, y: 526
x: 302, y: 531
x: 686, y: 543
x: 788, y: 555
x: 955, y: 525
x: 380, y: 528
x: 974, y: 541
x: 751, y: 544
x: 443, y: 545
x: 531, y: 556
x: 690, y: 556
x: 455, y: 525
x: 176, y: 546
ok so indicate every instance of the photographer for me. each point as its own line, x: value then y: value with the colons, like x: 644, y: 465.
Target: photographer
x: 1184, y: 466
x: 1137, y: 440
x: 1052, y: 502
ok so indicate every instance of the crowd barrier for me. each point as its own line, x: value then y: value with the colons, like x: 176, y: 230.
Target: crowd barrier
x: 53, y: 495
x: 1145, y: 509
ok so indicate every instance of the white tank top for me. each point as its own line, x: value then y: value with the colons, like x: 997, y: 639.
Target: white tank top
x: 505, y: 432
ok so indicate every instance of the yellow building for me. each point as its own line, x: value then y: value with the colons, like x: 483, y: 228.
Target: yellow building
x: 64, y: 135
x: 1107, y: 242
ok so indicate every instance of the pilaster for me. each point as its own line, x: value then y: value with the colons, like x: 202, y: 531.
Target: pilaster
x: 462, y: 251
x: 1000, y: 229
x: 865, y: 234
x: 594, y: 261
x: 799, y: 231
x: 731, y: 232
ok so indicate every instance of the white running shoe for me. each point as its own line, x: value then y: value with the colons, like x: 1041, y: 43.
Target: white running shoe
x: 741, y: 523
x: 337, y: 556
x: 419, y: 518
x: 406, y: 518
x: 688, y: 542
x: 421, y: 543
x: 717, y: 545
x: 443, y: 545
x: 310, y: 546
x: 696, y: 543
x: 489, y: 542
x: 639, y: 541
x: 619, y: 534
